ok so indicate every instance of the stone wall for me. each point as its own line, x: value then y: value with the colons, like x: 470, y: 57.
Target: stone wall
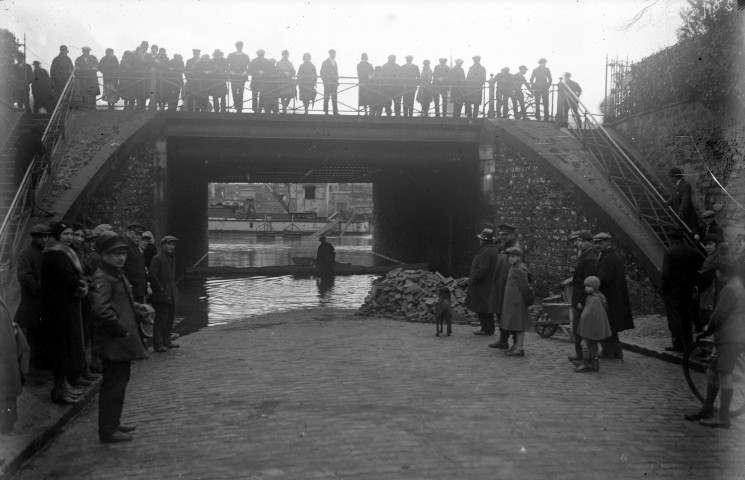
x: 706, y: 146
x: 545, y: 212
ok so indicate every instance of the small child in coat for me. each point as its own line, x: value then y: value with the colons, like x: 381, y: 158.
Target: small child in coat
x: 443, y: 311
x: 593, y: 324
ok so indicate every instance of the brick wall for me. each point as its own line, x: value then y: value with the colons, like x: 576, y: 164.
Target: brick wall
x: 545, y: 212
x: 699, y: 140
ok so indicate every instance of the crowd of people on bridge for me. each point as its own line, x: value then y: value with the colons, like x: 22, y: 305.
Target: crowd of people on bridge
x: 93, y: 301
x: 147, y: 77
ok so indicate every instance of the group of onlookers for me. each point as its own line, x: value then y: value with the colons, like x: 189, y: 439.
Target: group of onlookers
x: 85, y: 307
x: 147, y: 77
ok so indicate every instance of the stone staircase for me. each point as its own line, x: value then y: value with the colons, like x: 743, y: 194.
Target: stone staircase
x: 7, y: 158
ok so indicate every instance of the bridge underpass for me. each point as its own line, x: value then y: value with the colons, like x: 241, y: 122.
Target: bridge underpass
x: 426, y: 175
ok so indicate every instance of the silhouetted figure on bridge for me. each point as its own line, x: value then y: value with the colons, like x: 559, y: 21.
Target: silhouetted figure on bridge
x: 192, y: 85
x: 518, y: 96
x: 410, y: 77
x: 475, y: 80
x: 60, y: 72
x: 41, y: 88
x: 238, y: 63
x: 458, y: 88
x: 379, y: 96
x: 260, y: 68
x: 87, y: 79
x: 201, y: 72
x: 173, y: 81
x: 441, y: 85
x: 425, y: 93
x: 330, y: 79
x: 392, y: 87
x: 540, y: 81
x: 286, y: 75
x: 365, y: 72
x: 109, y: 68
x: 140, y: 87
x: 269, y: 94
x: 505, y: 91
x: 307, y: 79
x: 218, y: 77
x: 22, y: 79
x: 569, y: 92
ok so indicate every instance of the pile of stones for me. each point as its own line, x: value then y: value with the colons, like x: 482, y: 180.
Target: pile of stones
x: 411, y: 295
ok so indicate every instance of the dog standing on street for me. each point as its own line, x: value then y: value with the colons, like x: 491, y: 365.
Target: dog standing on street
x: 443, y: 311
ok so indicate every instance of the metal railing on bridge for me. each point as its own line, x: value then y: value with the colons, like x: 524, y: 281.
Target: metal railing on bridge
x: 378, y: 96
x: 36, y: 183
x: 636, y: 185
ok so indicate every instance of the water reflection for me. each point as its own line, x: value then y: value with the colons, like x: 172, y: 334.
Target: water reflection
x: 217, y: 300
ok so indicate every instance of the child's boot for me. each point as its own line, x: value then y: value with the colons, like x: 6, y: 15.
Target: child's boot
x: 707, y: 410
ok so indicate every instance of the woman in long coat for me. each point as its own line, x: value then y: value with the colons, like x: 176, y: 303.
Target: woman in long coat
x: 63, y: 286
x: 307, y: 79
x: 286, y: 74
x: 364, y: 75
x: 518, y: 296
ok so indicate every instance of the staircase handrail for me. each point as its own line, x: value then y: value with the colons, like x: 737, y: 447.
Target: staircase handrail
x: 18, y: 215
x: 619, y: 152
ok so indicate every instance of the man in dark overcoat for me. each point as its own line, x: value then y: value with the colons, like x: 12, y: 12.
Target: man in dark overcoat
x: 162, y: 277
x: 330, y: 79
x: 325, y: 258
x: 134, y: 268
x: 60, y: 71
x: 680, y: 267
x: 191, y: 87
x: 613, y: 285
x: 709, y: 227
x: 682, y: 198
x: 28, y: 315
x: 41, y: 88
x: 540, y: 82
x: 585, y: 266
x: 475, y: 79
x: 238, y: 63
x: 391, y: 72
x: 440, y: 85
x: 458, y: 90
x: 507, y: 239
x: 481, y: 282
x: 410, y: 77
x: 115, y: 340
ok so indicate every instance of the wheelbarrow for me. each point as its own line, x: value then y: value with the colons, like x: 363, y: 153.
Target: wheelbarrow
x: 555, y: 313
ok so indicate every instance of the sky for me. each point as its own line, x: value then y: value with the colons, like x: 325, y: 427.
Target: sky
x: 574, y: 35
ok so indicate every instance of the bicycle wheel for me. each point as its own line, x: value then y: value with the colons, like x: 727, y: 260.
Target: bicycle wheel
x: 543, y: 325
x: 696, y: 359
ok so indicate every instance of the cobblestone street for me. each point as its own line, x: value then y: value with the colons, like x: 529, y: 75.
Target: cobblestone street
x: 329, y: 394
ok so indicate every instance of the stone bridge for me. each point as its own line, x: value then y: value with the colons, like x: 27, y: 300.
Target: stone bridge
x: 436, y: 181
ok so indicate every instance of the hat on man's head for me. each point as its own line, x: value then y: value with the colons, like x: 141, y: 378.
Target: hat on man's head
x: 514, y: 251
x: 505, y: 70
x: 506, y: 228
x: 708, y: 214
x: 458, y: 61
x: 63, y: 48
x: 542, y: 61
x: 391, y: 57
x: 86, y: 49
x: 217, y: 53
x: 522, y: 67
x: 486, y: 234
x: 476, y: 57
x: 442, y: 59
x: 602, y: 236
x: 675, y: 172
x: 409, y: 57
x: 38, y: 229
x: 581, y: 235
x: 102, y: 228
x: 426, y: 62
x: 91, y: 235
x: 196, y: 50
x: 593, y: 282
x: 136, y: 226
x: 168, y: 239
x: 260, y: 52
x: 36, y: 62
x: 109, y: 241
x: 147, y: 235
x: 239, y: 42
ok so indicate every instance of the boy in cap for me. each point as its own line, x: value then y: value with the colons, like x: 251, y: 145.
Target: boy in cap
x: 729, y: 339
x: 518, y: 296
x: 115, y: 340
x: 162, y: 277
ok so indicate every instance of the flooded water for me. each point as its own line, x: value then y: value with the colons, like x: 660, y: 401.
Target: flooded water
x: 218, y: 300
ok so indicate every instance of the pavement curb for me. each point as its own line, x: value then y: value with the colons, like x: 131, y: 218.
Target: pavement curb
x: 43, y: 438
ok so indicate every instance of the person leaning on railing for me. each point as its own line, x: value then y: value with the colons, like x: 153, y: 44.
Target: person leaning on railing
x: 217, y: 78
x: 192, y: 84
x: 238, y: 63
x: 517, y: 84
x: 569, y: 92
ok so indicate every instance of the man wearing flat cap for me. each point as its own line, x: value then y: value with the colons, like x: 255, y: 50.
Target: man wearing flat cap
x: 86, y: 66
x: 540, y: 82
x: 162, y: 277
x: 60, y: 72
x: 475, y: 79
x: 507, y: 239
x: 709, y: 227
x: 680, y: 266
x: 585, y: 266
x: 681, y: 201
x: 238, y: 63
x: 612, y: 275
x: 28, y: 315
x: 392, y: 86
x: 440, y: 85
x: 481, y: 282
x: 191, y: 87
x: 115, y: 337
x: 458, y: 89
x: 134, y: 268
x: 410, y: 76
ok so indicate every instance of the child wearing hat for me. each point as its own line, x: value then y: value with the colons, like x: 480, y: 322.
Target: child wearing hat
x: 593, y: 324
x: 518, y: 296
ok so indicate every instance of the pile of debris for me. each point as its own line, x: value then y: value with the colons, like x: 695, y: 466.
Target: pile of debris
x: 412, y: 294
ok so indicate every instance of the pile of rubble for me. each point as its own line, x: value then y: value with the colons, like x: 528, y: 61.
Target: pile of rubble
x: 412, y: 294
